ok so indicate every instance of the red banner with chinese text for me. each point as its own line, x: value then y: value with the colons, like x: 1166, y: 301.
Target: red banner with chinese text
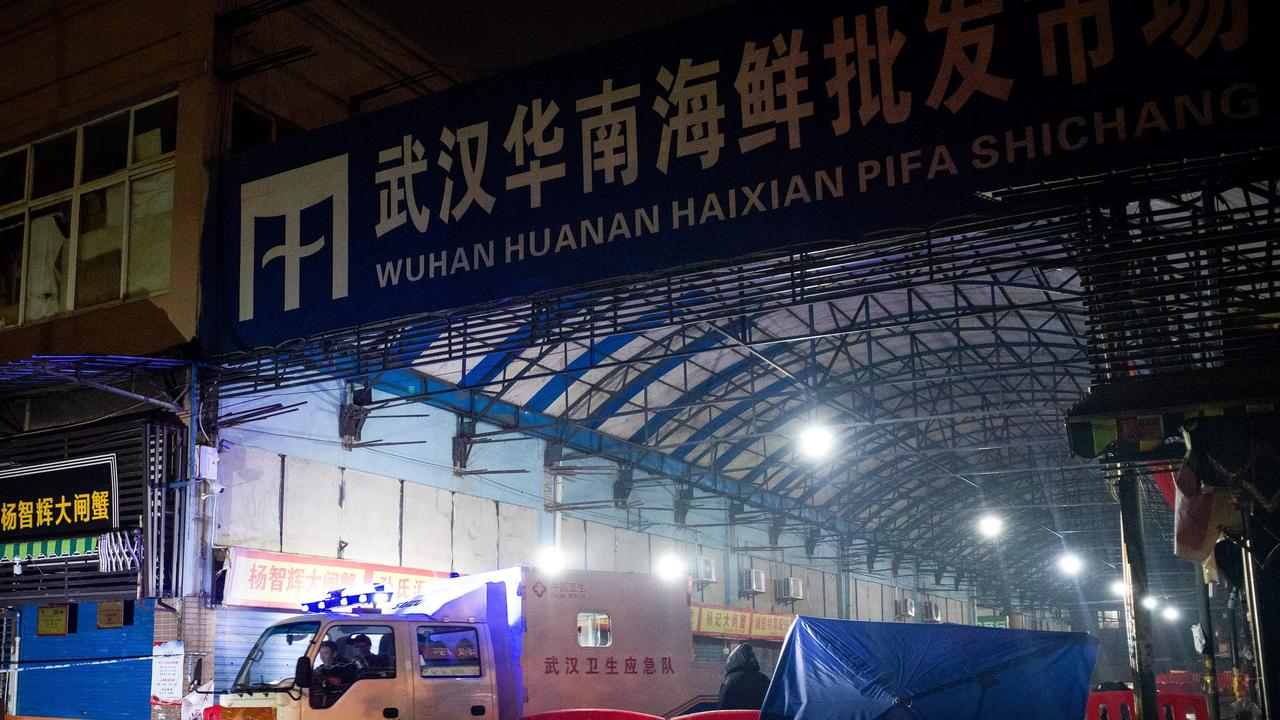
x: 770, y: 626
x: 739, y: 624
x: 257, y: 578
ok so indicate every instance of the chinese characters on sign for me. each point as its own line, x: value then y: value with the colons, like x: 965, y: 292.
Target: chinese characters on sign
x: 767, y: 626
x: 46, y: 512
x: 58, y: 499
x: 111, y: 614
x: 740, y: 624
x: 723, y: 621
x: 1196, y: 41
x: 610, y: 665
x: 771, y: 85
x: 568, y: 590
x: 53, y: 620
x: 166, y: 672
x: 757, y: 128
x: 257, y: 578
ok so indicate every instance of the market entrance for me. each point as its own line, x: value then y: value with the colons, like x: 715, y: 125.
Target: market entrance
x: 866, y: 357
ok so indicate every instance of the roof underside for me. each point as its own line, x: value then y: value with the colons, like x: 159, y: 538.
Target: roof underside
x: 945, y: 360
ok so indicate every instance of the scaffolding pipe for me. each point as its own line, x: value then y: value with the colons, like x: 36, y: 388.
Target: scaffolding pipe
x: 1210, y: 650
x: 1257, y: 634
x: 1135, y: 575
x: 1232, y: 601
x: 192, y: 558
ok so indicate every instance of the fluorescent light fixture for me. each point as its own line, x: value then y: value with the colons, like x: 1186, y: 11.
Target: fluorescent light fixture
x: 671, y: 568
x: 815, y: 442
x: 990, y: 525
x: 550, y: 560
x: 1070, y: 564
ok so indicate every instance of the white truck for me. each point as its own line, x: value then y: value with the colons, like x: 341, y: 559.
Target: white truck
x: 504, y: 644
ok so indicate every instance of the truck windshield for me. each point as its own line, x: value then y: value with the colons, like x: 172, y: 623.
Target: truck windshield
x: 271, y: 662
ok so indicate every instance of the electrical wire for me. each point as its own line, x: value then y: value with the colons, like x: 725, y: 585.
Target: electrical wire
x: 100, y: 418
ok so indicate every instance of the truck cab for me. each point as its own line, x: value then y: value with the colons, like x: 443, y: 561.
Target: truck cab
x: 502, y: 644
x: 359, y: 665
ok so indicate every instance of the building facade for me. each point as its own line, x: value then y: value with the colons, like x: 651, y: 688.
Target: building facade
x: 218, y: 512
x: 104, y: 135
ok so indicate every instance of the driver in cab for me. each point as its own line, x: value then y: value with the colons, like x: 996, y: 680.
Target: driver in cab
x: 331, y: 673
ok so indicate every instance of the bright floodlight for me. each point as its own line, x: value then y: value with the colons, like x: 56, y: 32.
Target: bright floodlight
x: 1070, y: 564
x: 1118, y: 588
x: 990, y: 525
x: 1150, y: 602
x: 551, y: 560
x: 671, y: 568
x: 815, y: 442
x: 1171, y: 614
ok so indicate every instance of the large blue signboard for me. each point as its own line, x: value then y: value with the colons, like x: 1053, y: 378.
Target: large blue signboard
x: 764, y: 127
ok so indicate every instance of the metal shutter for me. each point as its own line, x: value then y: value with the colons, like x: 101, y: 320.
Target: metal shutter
x: 238, y: 630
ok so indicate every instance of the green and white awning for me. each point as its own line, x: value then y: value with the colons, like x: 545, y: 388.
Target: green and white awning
x: 38, y: 549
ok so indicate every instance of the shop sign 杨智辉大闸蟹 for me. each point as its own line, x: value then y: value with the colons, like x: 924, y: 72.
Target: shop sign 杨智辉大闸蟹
x: 59, y: 499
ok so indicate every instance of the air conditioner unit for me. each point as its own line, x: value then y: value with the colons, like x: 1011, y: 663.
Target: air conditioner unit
x: 789, y: 589
x: 930, y: 612
x: 751, y: 583
x: 704, y: 570
x: 904, y: 609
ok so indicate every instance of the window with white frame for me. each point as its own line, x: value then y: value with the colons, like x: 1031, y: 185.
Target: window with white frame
x: 594, y: 630
x: 86, y: 215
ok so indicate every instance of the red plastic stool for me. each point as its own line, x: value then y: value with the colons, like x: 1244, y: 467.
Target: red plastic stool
x: 1184, y: 706
x: 591, y: 714
x: 1118, y: 705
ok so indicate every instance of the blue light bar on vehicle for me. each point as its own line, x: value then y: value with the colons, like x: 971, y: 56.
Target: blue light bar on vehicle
x: 350, y: 596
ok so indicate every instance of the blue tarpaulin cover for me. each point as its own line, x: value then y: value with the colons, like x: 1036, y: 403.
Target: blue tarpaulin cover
x: 892, y: 671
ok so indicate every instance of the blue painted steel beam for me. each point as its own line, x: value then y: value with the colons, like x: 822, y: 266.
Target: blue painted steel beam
x: 406, y: 383
x: 704, y: 388
x: 736, y: 412
x: 579, y: 366
x: 620, y: 397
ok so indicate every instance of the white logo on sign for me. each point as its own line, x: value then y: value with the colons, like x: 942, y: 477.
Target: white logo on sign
x: 286, y: 195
